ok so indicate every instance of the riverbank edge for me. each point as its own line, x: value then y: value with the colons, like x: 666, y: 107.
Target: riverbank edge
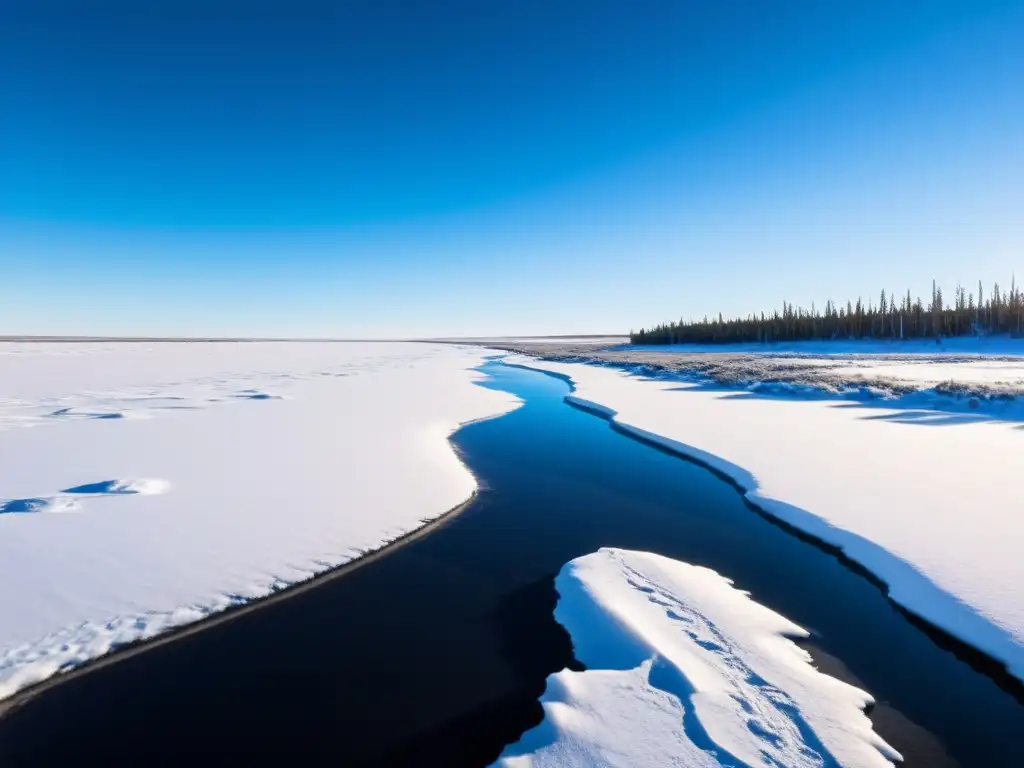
x: 982, y: 662
x: 120, y: 653
x: 707, y: 369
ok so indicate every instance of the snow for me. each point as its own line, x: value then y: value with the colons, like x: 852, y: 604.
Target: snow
x: 958, y: 345
x: 194, y: 476
x: 926, y: 501
x: 596, y: 341
x: 683, y: 669
x: 931, y: 371
x: 947, y: 380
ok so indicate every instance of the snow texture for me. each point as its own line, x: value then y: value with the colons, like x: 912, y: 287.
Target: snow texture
x: 196, y: 476
x: 926, y: 501
x: 599, y: 341
x: 685, y: 670
x: 957, y: 345
x: 984, y: 377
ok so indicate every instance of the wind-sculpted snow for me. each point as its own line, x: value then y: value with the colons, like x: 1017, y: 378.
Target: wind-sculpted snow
x: 683, y: 669
x: 69, y: 500
x: 48, y: 383
x: 193, y: 477
x: 925, y: 500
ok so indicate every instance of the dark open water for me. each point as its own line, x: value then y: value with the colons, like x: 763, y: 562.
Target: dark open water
x: 436, y: 653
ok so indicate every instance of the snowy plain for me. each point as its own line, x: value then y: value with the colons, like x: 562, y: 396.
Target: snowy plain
x: 144, y: 486
x: 595, y: 341
x: 953, y: 346
x: 683, y: 669
x: 926, y: 500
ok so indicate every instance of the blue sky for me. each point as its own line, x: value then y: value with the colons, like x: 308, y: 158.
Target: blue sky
x: 379, y: 168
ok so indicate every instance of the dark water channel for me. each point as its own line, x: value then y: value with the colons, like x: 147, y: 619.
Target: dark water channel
x: 436, y: 653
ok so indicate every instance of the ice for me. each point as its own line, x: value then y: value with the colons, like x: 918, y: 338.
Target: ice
x: 927, y: 501
x: 683, y: 669
x: 242, y: 468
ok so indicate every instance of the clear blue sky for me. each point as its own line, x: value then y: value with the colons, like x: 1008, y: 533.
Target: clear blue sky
x: 487, y: 166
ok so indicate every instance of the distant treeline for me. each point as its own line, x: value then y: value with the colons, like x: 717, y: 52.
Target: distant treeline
x: 891, y: 318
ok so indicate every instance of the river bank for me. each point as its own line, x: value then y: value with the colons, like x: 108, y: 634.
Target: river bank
x: 439, y: 650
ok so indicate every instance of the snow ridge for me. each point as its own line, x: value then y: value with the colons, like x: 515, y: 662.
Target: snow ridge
x: 684, y: 669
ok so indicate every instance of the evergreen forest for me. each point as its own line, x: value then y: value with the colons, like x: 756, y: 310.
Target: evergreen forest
x: 995, y: 312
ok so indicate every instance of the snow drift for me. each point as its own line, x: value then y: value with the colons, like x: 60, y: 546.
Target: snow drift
x: 683, y: 669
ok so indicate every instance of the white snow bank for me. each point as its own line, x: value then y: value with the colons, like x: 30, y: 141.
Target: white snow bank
x: 930, y: 506
x: 978, y: 380
x: 683, y: 669
x: 258, y: 465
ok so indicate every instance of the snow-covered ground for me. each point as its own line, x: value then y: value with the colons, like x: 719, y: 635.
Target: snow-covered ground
x: 147, y: 485
x: 600, y: 341
x: 927, y: 501
x: 931, y: 371
x: 958, y: 345
x: 685, y: 670
x: 962, y: 378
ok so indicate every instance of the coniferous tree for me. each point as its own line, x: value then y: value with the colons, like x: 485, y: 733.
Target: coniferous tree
x: 1001, y: 313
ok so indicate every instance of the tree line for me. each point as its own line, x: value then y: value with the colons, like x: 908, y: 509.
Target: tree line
x: 995, y: 312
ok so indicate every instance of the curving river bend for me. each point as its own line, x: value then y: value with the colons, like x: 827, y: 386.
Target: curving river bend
x: 436, y: 653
